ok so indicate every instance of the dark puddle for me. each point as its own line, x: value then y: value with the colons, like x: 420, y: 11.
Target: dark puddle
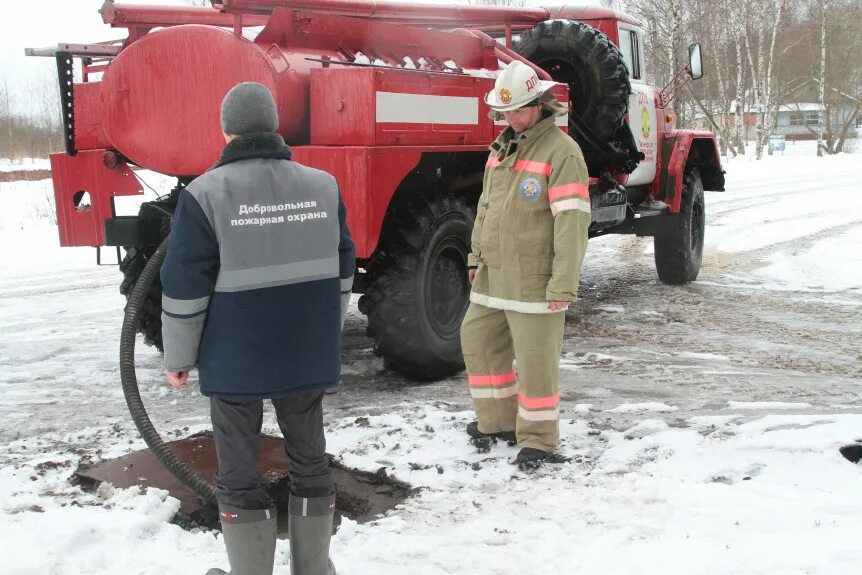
x: 360, y: 495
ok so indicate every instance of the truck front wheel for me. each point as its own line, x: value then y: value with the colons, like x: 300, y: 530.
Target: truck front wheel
x: 679, y: 247
x: 418, y: 290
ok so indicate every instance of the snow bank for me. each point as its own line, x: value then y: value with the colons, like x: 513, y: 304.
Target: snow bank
x: 24, y: 164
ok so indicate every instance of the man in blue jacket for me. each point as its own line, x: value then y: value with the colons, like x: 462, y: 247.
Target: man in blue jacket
x: 255, y: 284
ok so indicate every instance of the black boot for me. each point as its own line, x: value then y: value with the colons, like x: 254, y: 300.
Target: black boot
x: 473, y: 431
x: 531, y: 458
x: 310, y: 526
x: 249, y: 536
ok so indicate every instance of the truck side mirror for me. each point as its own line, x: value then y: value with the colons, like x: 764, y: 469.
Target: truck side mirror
x: 695, y: 62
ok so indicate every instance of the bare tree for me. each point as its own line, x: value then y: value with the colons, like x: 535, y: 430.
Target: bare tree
x: 30, y: 127
x: 6, y: 119
x: 760, y: 49
x: 714, y: 94
x: 674, y: 11
x: 47, y: 102
x: 834, y: 71
x: 824, y: 6
x: 738, y: 13
x: 756, y: 53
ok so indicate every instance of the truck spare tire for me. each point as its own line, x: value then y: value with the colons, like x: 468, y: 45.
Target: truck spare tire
x: 592, y: 66
x: 149, y: 317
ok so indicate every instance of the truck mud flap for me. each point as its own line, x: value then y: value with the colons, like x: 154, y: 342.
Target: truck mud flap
x: 650, y: 222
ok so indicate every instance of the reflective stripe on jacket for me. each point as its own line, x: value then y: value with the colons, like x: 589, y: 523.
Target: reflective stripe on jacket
x: 532, y: 220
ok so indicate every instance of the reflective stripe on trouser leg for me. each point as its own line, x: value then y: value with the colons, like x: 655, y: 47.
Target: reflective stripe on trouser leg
x: 538, y: 340
x: 488, y: 356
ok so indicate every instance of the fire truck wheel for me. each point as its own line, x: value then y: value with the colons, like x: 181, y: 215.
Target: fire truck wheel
x: 418, y: 290
x: 586, y: 60
x: 150, y: 320
x: 679, y: 248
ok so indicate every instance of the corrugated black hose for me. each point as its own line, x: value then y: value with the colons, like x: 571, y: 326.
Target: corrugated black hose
x: 130, y: 381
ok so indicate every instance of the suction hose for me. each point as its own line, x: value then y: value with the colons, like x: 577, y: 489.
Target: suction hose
x: 130, y: 381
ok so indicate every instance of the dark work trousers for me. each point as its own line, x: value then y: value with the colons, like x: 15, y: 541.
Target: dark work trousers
x: 236, y: 429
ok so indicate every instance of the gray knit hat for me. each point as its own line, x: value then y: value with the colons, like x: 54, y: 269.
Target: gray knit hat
x: 248, y: 108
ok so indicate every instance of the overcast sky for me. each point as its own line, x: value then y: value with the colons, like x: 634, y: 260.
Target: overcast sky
x: 45, y: 23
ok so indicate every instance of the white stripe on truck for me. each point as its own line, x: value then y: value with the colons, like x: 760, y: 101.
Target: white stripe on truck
x: 395, y: 107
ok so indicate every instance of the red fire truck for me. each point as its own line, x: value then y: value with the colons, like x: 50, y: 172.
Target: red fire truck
x: 388, y: 98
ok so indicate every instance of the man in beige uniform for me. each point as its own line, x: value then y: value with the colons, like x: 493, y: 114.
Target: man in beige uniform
x: 527, y: 248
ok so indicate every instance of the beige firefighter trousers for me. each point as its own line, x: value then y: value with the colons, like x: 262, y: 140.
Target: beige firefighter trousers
x: 528, y: 402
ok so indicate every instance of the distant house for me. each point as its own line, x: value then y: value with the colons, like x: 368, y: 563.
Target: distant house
x: 799, y: 117
x: 798, y: 121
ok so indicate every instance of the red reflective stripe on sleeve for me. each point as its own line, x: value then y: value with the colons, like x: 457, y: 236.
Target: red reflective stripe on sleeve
x: 539, y: 402
x: 492, y: 161
x: 565, y: 190
x: 491, y: 380
x: 535, y: 167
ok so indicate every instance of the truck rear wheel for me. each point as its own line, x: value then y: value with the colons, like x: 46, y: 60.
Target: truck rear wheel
x: 585, y: 59
x: 679, y: 247
x: 150, y: 319
x: 418, y: 290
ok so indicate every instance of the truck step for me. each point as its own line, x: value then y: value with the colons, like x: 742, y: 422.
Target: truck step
x: 609, y: 213
x: 648, y: 212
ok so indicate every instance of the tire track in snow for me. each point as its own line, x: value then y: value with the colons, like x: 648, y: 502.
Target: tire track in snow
x: 48, y: 289
x: 718, y: 209
x: 798, y: 244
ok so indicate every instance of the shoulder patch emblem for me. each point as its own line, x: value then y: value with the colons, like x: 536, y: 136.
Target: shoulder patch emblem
x: 530, y: 189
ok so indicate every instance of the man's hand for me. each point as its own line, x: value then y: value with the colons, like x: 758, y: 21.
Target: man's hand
x: 178, y: 378
x: 558, y: 305
x: 471, y: 275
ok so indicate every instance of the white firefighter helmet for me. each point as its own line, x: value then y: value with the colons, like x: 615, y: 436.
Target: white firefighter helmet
x: 516, y: 86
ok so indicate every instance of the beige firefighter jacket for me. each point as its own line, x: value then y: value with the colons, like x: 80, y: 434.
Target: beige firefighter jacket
x: 530, y: 234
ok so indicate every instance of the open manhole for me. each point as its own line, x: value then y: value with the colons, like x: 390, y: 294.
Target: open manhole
x: 852, y: 452
x: 361, y: 496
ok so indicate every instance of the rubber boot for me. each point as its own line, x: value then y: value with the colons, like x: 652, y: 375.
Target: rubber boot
x: 473, y: 431
x: 310, y: 526
x: 249, y: 536
x: 531, y: 458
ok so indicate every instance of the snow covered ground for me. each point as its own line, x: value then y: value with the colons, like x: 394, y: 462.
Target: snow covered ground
x: 700, y: 425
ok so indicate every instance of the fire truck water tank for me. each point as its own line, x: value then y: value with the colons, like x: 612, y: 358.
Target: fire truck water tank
x: 162, y: 95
